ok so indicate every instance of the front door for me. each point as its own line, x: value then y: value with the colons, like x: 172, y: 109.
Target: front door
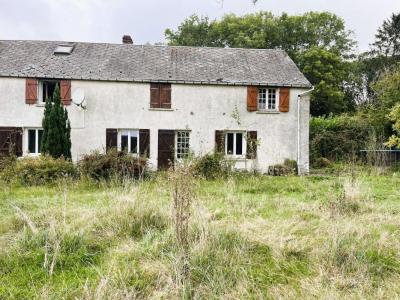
x: 166, y: 148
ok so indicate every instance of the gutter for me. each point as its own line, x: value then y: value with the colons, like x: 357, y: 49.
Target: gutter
x: 299, y: 97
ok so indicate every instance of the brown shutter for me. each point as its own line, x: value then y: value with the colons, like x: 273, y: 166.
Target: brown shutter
x: 31, y: 91
x: 144, y: 142
x: 284, y: 96
x: 65, y: 91
x: 251, y: 145
x: 155, y: 95
x: 252, y: 96
x: 220, y: 141
x: 165, y: 95
x: 111, y: 138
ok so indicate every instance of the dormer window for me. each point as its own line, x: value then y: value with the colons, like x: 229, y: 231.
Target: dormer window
x: 65, y: 49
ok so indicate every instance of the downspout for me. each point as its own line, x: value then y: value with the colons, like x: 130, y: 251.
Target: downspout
x: 299, y: 96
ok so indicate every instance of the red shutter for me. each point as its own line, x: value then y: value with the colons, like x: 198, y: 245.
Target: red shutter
x: 155, y: 95
x: 284, y: 99
x: 65, y: 91
x: 219, y: 141
x: 144, y: 142
x: 31, y: 91
x: 252, y: 96
x: 165, y: 95
x: 111, y: 138
x: 251, y: 145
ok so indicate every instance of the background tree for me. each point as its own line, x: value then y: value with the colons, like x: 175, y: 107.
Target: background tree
x: 303, y: 37
x: 56, y: 139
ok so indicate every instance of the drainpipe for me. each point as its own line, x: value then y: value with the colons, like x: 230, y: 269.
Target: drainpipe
x: 299, y: 97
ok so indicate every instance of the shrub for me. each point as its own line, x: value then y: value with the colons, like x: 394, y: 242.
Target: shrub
x: 279, y: 170
x: 100, y: 166
x: 291, y: 164
x: 7, y: 161
x: 322, y: 162
x: 212, y: 165
x: 338, y: 138
x: 38, y: 170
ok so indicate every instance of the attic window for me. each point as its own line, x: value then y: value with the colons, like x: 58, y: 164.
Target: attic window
x: 64, y: 49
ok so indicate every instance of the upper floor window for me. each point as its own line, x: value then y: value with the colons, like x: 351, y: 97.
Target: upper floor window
x: 160, y: 95
x: 182, y: 144
x: 267, y: 99
x: 234, y: 143
x: 128, y: 140
x: 46, y: 89
x: 34, y: 141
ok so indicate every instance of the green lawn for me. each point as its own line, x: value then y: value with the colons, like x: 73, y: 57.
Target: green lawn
x: 250, y: 237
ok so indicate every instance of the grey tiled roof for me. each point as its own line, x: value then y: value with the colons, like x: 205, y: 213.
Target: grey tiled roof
x: 126, y: 62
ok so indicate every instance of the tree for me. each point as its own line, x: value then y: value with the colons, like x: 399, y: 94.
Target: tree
x: 303, y: 37
x: 56, y: 139
x: 387, y: 40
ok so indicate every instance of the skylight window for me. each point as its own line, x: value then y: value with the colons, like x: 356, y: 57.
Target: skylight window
x: 64, y: 49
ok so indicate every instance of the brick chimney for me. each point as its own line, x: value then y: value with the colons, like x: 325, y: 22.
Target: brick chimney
x: 127, y: 39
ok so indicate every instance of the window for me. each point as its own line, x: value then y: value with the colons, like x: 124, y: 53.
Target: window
x: 182, y: 144
x: 234, y: 144
x: 34, y: 141
x: 128, y: 140
x: 64, y: 49
x: 46, y: 89
x: 267, y: 99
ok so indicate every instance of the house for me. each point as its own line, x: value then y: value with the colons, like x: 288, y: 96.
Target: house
x: 158, y: 101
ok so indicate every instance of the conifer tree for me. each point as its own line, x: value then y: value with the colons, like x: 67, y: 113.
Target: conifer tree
x: 56, y: 139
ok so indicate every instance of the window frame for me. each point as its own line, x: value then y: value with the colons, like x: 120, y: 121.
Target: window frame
x: 42, y: 101
x: 176, y: 144
x: 267, y: 93
x: 119, y: 140
x: 37, y: 130
x: 244, y: 144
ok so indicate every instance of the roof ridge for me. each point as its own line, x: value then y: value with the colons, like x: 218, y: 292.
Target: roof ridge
x: 148, y: 45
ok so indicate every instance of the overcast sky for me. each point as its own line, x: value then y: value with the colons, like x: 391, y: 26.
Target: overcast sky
x: 146, y: 20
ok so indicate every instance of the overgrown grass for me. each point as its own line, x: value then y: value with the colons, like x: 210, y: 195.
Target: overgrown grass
x: 250, y: 236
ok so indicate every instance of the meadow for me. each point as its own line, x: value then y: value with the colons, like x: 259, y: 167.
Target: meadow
x: 332, y: 236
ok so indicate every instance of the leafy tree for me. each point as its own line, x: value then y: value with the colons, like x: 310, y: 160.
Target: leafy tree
x: 56, y: 139
x: 304, y: 37
x: 387, y: 40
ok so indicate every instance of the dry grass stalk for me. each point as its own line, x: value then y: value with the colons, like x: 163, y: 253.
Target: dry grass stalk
x: 26, y: 219
x: 182, y: 183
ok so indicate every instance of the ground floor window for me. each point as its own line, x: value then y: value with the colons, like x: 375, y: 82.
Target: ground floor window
x: 182, y: 144
x: 128, y: 140
x: 34, y: 140
x: 234, y: 143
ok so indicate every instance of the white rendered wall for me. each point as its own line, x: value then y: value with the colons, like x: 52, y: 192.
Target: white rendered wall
x: 199, y: 108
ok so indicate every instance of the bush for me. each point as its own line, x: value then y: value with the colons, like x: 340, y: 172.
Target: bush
x: 291, y: 164
x: 338, y: 138
x: 38, y: 170
x: 7, y: 161
x: 100, y: 166
x: 212, y: 165
x: 322, y: 162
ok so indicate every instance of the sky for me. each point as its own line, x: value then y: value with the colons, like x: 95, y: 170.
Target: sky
x: 146, y: 20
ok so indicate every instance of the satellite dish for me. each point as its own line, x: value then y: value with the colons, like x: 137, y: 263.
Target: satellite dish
x: 78, y: 96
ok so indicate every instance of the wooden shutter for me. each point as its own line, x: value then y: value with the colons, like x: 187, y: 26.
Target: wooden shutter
x: 31, y: 91
x: 144, y: 142
x: 111, y: 138
x: 251, y: 143
x: 284, y: 97
x: 220, y: 141
x: 65, y: 92
x: 165, y: 95
x: 166, y: 148
x: 252, y: 97
x: 155, y: 95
